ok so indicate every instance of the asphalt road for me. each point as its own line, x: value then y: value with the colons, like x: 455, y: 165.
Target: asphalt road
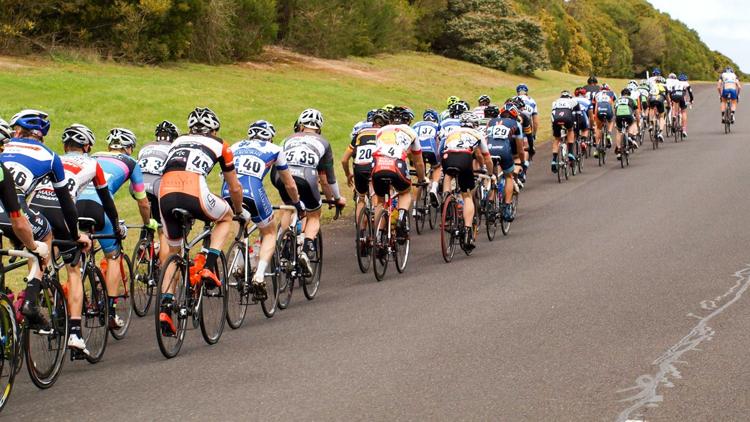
x: 618, y: 295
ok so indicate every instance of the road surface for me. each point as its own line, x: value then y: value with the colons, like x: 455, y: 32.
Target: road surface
x: 618, y: 295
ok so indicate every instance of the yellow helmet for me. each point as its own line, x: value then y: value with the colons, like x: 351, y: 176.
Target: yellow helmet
x: 389, y: 107
x: 453, y: 100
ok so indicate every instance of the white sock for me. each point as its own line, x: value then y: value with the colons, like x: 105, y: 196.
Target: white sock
x: 260, y: 273
x: 434, y: 187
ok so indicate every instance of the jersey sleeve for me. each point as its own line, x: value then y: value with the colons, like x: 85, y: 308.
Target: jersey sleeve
x: 8, y: 193
x: 137, y: 188
x: 57, y: 172
x: 281, y: 163
x: 226, y: 159
x: 326, y: 163
x: 100, y: 181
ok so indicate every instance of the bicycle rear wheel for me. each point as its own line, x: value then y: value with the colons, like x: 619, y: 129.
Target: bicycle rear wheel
x: 271, y: 303
x: 213, y: 310
x: 123, y: 305
x: 380, y: 246
x: 505, y: 226
x: 286, y: 251
x: 10, y: 351
x: 363, y: 244
x: 310, y: 285
x: 402, y: 246
x: 44, y: 349
x: 173, y: 277
x: 143, y: 280
x: 95, y: 314
x: 420, y: 206
x: 494, y: 213
x: 449, y: 228
x: 238, y: 291
x: 433, y: 215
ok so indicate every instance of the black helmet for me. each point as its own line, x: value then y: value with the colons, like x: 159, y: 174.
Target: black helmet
x: 484, y: 98
x: 166, y: 131
x: 381, y: 115
x: 625, y: 92
x: 592, y: 80
x: 491, y: 111
x: 457, y: 109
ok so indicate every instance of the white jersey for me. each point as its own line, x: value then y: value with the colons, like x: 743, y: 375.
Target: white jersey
x: 479, y: 111
x: 464, y: 139
x: 529, y: 104
x: 80, y: 170
x: 395, y: 141
x: 729, y: 80
x: 359, y: 126
x: 447, y: 126
x: 671, y: 83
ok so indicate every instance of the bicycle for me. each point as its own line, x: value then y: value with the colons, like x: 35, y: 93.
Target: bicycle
x: 601, y: 145
x: 625, y: 146
x: 669, y: 121
x: 204, y: 306
x: 677, y: 129
x: 387, y: 242
x: 492, y: 208
x: 423, y: 209
x: 364, y: 235
x: 145, y: 270
x: 452, y: 229
x: 562, y: 156
x: 288, y: 249
x: 728, y: 114
x: 240, y: 290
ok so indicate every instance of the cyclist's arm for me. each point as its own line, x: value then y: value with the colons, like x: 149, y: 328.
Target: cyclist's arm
x: 102, y: 190
x: 67, y: 204
x: 235, y: 189
x: 326, y: 167
x: 289, y: 185
x: 138, y: 192
x: 690, y: 92
x: 345, y: 160
x: 19, y: 222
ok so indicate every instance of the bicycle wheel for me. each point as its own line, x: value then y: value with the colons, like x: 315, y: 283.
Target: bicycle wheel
x: 559, y: 170
x: 143, y: 280
x: 401, y: 246
x: 380, y: 246
x: 449, y: 228
x: 727, y: 117
x: 433, y: 215
x: 419, y: 209
x: 270, y: 305
x: 173, y: 277
x: 494, y: 213
x: 123, y: 305
x: 363, y: 237
x: 478, y: 209
x: 213, y: 310
x: 505, y: 226
x: 44, y: 349
x: 10, y: 354
x: 237, y: 288
x: 286, y: 251
x: 310, y: 285
x: 95, y: 314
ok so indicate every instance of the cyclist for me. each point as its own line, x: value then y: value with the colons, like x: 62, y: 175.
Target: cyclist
x: 678, y: 95
x: 592, y: 87
x: 183, y: 185
x: 363, y: 123
x: 502, y: 131
x: 642, y: 90
x: 522, y: 91
x: 657, y: 98
x: 427, y: 133
x: 453, y: 121
x: 585, y: 116
x: 151, y: 159
x: 394, y: 143
x: 626, y: 115
x: 564, y: 111
x: 527, y: 126
x: 729, y: 88
x: 604, y: 112
x: 458, y: 151
x: 446, y: 113
x: 361, y: 147
x: 118, y: 167
x: 310, y: 159
x: 483, y: 101
x: 29, y: 162
x: 253, y: 159
x: 6, y: 132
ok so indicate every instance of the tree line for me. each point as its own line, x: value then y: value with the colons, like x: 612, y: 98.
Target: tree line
x: 605, y: 37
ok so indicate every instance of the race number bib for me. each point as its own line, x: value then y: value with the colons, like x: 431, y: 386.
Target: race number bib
x: 251, y: 166
x: 500, y: 132
x: 22, y: 176
x: 198, y: 162
x: 364, y: 154
x: 426, y: 132
x: 151, y: 165
x: 301, y: 157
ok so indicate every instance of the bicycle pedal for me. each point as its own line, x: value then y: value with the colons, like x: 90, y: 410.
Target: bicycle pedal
x: 76, y: 354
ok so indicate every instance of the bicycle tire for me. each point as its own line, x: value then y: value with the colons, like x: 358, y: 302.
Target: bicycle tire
x: 419, y: 209
x: 478, y: 209
x: 363, y: 239
x: 505, y: 226
x: 491, y: 225
x: 448, y: 228
x: 123, y: 300
x: 213, y: 309
x: 271, y: 303
x: 401, y: 253
x: 53, y: 343
x: 10, y: 355
x: 286, y: 248
x: 170, y: 345
x: 95, y: 315
x: 380, y: 245
x: 310, y: 287
x: 559, y: 170
x: 433, y: 219
x: 140, y: 291
x: 237, y: 294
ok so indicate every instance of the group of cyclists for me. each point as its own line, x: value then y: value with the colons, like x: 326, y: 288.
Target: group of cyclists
x: 44, y: 194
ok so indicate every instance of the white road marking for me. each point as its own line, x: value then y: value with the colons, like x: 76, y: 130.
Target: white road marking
x: 647, y: 385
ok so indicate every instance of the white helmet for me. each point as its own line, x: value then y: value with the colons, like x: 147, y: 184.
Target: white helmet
x: 119, y: 138
x: 80, y: 134
x: 203, y: 119
x: 5, y: 131
x: 469, y: 119
x: 311, y: 118
x: 672, y: 76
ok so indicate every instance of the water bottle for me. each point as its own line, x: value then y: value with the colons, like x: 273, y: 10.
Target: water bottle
x: 460, y: 203
x: 300, y: 234
x: 157, y: 245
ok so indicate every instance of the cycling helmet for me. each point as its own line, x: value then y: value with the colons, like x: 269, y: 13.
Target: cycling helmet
x: 518, y: 101
x: 203, y: 120
x: 457, y: 109
x: 683, y: 77
x: 491, y: 111
x: 166, y: 131
x: 580, y: 91
x: 311, y: 118
x: 33, y: 120
x: 430, y: 115
x: 632, y: 82
x: 672, y: 76
x: 592, y: 80
x: 383, y: 116
x: 5, y: 131
x: 510, y: 109
x: 484, y: 99
x: 452, y: 100
x: 469, y: 119
x: 402, y: 115
x: 388, y: 107
x: 369, y: 115
x: 605, y: 87
x: 522, y: 88
x: 565, y: 94
x: 656, y: 71
x: 625, y: 92
x: 727, y: 69
x: 262, y: 130
x: 78, y: 134
x: 120, y: 138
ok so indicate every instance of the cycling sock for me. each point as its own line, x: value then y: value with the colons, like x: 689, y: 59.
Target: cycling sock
x: 75, y: 327
x: 401, y: 214
x: 570, y: 148
x: 111, y: 301
x: 262, y: 265
x: 309, y: 245
x: 554, y: 156
x: 211, y: 257
x: 32, y: 290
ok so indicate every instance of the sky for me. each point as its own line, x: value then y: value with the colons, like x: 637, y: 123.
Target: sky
x: 724, y: 25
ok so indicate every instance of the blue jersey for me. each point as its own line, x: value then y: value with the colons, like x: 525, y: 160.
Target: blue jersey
x: 447, y: 126
x: 585, y: 104
x: 427, y: 133
x: 118, y: 168
x: 359, y: 126
x: 253, y: 160
x: 29, y: 162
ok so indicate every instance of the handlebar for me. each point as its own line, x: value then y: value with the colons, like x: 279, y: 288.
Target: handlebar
x: 331, y: 204
x: 32, y: 257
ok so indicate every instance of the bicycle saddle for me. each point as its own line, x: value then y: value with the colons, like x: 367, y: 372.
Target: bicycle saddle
x: 86, y: 224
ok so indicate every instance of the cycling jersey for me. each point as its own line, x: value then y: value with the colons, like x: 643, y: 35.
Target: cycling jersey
x: 479, y: 111
x: 199, y: 154
x: 363, y: 145
x: 427, y: 133
x: 8, y: 197
x: 396, y: 141
x: 625, y: 106
x: 680, y: 92
x: 151, y: 159
x: 307, y: 154
x: 12, y: 205
x: 670, y: 84
x: 529, y: 104
x: 80, y: 170
x: 253, y: 160
x: 359, y: 126
x: 591, y: 91
x: 583, y: 116
x: 464, y: 140
x: 564, y: 111
x: 729, y: 80
x: 447, y: 126
x: 502, y: 134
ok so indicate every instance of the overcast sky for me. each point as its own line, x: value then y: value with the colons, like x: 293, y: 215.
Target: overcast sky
x: 724, y: 25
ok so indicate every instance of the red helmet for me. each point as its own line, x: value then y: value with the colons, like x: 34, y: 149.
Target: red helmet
x: 509, y: 108
x: 605, y: 87
x: 580, y: 91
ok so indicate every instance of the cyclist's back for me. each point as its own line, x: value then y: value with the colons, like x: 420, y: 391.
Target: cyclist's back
x: 308, y: 154
x: 151, y: 159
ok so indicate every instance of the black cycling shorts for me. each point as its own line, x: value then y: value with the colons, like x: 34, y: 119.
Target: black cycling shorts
x: 562, y: 118
x: 362, y: 174
x: 50, y: 209
x: 461, y: 166
x: 308, y: 194
x: 430, y: 158
x: 624, y: 121
x: 153, y: 200
x: 395, y: 175
x: 604, y: 112
x: 680, y: 99
x: 656, y: 103
x: 92, y: 209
